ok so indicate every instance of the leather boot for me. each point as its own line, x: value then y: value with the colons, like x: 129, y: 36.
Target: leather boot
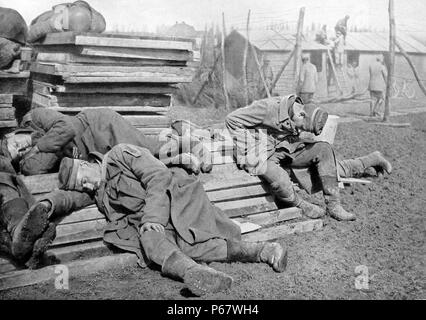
x: 376, y: 160
x: 271, y: 253
x: 200, y: 279
x: 332, y: 200
x: 24, y: 226
x: 309, y: 209
x: 41, y: 245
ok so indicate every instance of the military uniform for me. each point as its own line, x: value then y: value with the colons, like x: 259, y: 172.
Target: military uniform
x: 137, y: 188
x: 308, y: 82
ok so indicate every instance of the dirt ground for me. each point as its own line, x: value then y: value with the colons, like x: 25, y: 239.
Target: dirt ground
x: 388, y: 237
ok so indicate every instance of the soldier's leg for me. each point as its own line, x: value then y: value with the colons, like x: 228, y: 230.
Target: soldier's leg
x: 283, y: 190
x: 24, y: 226
x: 321, y: 156
x: 230, y: 250
x: 357, y: 167
x: 61, y: 202
x: 162, y: 249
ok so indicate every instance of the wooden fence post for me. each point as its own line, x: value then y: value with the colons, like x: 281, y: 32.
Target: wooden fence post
x: 391, y: 59
x: 246, y: 49
x: 225, y: 90
x: 298, y: 47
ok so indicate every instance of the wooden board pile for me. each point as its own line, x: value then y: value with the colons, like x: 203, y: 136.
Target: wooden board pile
x: 133, y: 75
x: 79, y: 245
x: 13, y: 91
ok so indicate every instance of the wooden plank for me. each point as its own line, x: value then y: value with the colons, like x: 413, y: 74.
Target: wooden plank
x: 238, y: 193
x: 70, y: 58
x: 8, y: 124
x: 116, y: 40
x: 47, y: 88
x: 131, y: 78
x: 6, y: 98
x: 86, y: 214
x: 77, y: 268
x: 272, y: 217
x: 119, y: 109
x: 246, y: 227
x: 354, y: 180
x: 6, y: 105
x: 247, y: 206
x: 149, y: 121
x: 7, y: 114
x: 129, y: 53
x: 100, y: 99
x: 133, y: 43
x: 22, y: 74
x: 283, y: 230
x: 81, y: 70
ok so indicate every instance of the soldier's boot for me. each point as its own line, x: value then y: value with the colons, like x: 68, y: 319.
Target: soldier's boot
x: 377, y: 161
x: 200, y: 279
x: 332, y: 200
x: 5, y: 242
x: 24, y: 225
x: 271, y: 253
x: 41, y: 245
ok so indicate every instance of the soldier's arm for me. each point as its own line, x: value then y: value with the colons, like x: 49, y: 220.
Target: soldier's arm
x: 58, y: 128
x: 156, y: 179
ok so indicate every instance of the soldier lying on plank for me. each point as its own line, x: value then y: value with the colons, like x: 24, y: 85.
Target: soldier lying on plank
x: 47, y: 135
x: 50, y: 135
x: 165, y: 214
x: 268, y: 144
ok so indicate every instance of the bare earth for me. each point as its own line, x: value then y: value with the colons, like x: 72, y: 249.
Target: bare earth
x: 388, y: 237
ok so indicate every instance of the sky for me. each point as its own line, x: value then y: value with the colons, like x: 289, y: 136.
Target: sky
x: 146, y: 15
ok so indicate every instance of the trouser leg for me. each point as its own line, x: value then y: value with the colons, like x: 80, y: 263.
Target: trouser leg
x: 321, y: 156
x: 283, y: 190
x: 162, y: 250
x: 64, y: 202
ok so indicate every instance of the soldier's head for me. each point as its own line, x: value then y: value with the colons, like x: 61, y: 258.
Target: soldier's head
x: 308, y: 117
x: 80, y: 175
x: 305, y: 57
x: 16, y: 144
x: 347, y: 17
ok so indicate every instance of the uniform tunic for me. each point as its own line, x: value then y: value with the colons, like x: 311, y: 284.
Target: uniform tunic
x: 137, y: 188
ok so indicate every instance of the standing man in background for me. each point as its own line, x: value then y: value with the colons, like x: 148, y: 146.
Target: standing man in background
x: 377, y: 85
x: 308, y: 80
x: 342, y: 27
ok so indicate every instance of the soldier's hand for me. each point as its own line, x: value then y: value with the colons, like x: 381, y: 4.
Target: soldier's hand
x: 151, y: 226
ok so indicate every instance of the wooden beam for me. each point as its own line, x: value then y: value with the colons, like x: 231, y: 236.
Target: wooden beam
x: 298, y: 46
x: 259, y: 69
x: 391, y: 59
x: 413, y: 68
x: 283, y: 230
x: 224, y: 86
x: 246, y: 49
x: 22, y: 278
x: 280, y: 72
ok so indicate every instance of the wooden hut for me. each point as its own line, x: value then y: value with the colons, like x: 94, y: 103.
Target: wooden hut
x: 276, y: 47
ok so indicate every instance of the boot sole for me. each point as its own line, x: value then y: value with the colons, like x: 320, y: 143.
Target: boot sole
x: 282, y: 265
x: 29, y: 230
x: 201, y: 282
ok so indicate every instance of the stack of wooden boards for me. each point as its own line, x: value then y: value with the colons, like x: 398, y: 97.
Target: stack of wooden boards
x: 13, y: 90
x: 133, y: 75
x: 79, y: 244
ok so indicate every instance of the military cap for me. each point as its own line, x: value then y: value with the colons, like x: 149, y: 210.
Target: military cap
x: 68, y: 173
